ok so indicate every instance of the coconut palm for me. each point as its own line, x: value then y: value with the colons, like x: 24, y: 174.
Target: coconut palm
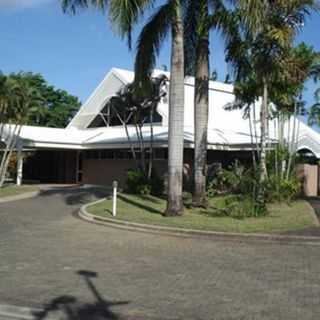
x: 167, y: 19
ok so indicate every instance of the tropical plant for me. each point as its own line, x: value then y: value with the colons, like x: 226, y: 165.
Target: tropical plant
x: 259, y: 44
x: 138, y: 183
x: 132, y: 107
x: 314, y: 112
x: 17, y: 100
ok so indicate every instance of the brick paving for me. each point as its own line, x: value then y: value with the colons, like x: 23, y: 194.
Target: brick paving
x: 50, y: 259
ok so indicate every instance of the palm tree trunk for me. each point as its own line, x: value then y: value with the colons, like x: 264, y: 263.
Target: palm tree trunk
x: 255, y: 130
x: 263, y: 164
x: 292, y: 143
x: 8, y: 153
x: 263, y: 133
x: 176, y: 119
x: 151, y: 144
x: 201, y: 109
x: 253, y: 152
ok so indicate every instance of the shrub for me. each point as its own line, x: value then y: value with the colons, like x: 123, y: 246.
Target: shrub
x: 138, y: 183
x: 282, y: 189
x: 240, y: 207
x: 135, y: 180
x: 234, y: 180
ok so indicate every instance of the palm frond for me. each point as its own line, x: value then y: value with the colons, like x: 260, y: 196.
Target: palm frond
x: 191, y: 20
x: 150, y: 41
x: 72, y: 6
x: 124, y: 14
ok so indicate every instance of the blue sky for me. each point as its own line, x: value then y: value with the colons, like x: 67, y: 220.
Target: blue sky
x: 75, y: 52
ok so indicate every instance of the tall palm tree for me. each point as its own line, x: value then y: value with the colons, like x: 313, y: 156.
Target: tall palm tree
x: 201, y: 16
x: 168, y: 19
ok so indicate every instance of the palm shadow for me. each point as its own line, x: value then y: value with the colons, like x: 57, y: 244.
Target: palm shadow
x: 139, y: 205
x: 70, y: 308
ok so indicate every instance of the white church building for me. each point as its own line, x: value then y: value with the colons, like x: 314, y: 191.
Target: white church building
x: 95, y: 150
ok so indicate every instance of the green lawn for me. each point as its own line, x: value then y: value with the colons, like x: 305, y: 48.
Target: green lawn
x: 13, y: 190
x: 147, y: 209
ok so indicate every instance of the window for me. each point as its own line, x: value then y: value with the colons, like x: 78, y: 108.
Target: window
x: 110, y: 154
x: 109, y: 117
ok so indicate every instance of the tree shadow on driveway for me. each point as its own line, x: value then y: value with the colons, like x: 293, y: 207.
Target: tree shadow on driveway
x: 68, y: 307
x: 77, y: 195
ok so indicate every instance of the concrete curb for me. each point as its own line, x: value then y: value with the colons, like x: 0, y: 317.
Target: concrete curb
x: 9, y: 312
x: 133, y: 226
x: 26, y: 195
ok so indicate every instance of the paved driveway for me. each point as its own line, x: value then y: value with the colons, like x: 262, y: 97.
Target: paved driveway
x: 50, y: 259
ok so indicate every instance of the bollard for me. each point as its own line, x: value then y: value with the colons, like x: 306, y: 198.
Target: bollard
x: 114, y: 207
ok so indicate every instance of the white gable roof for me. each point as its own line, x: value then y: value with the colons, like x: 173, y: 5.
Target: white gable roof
x: 220, y: 95
x: 226, y: 129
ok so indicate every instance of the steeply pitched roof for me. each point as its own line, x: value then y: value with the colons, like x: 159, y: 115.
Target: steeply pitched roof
x: 226, y: 129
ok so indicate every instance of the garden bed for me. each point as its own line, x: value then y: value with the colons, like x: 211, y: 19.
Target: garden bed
x: 148, y: 210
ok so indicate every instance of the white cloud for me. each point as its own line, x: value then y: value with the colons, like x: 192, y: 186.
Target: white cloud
x: 9, y: 4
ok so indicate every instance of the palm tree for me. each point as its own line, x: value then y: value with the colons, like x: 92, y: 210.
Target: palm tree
x: 314, y: 112
x: 201, y: 16
x: 168, y: 19
x: 19, y: 99
x: 266, y: 31
x: 132, y: 107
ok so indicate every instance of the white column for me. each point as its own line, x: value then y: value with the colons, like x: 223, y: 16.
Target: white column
x: 19, y: 165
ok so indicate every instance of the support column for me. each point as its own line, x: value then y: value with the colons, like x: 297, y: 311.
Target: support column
x: 19, y: 166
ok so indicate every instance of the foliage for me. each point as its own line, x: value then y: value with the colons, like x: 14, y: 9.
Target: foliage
x: 236, y: 179
x: 132, y: 106
x: 260, y: 50
x: 138, y: 183
x: 57, y: 108
x: 18, y: 100
x: 281, y: 186
x: 244, y: 206
x: 12, y: 166
x: 279, y: 189
x: 241, y: 185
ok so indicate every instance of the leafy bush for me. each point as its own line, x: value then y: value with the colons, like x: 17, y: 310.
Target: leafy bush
x: 243, y: 207
x: 234, y: 180
x: 135, y: 181
x: 138, y: 183
x: 282, y: 189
